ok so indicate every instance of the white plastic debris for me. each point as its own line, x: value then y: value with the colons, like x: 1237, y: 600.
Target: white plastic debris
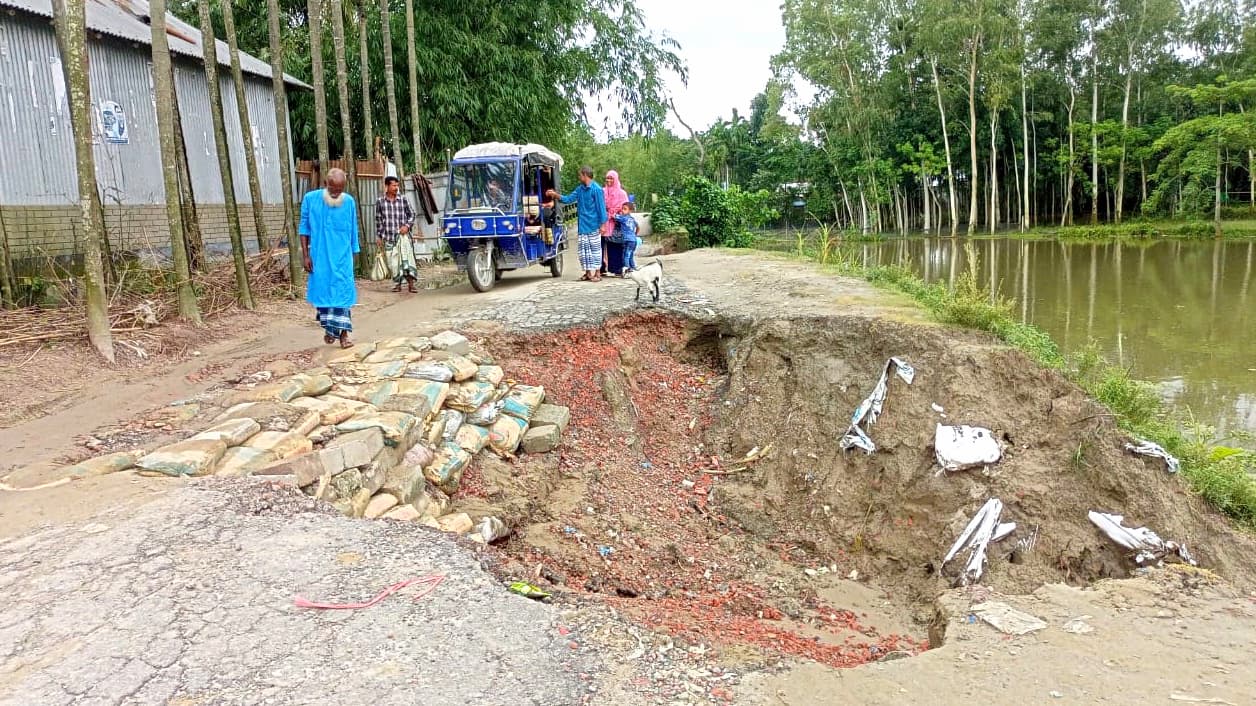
x: 961, y: 447
x: 1151, y: 448
x: 1079, y: 626
x: 937, y: 408
x: 1007, y: 619
x: 870, y: 408
x: 1147, y: 546
x: 976, y: 537
x: 492, y: 529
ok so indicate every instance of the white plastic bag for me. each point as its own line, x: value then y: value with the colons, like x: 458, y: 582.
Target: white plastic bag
x: 963, y: 447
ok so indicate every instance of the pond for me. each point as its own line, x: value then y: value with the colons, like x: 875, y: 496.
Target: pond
x: 1181, y: 314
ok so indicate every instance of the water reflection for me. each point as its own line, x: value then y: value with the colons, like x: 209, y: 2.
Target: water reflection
x: 1177, y: 313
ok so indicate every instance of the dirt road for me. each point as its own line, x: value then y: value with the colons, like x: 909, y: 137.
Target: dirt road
x: 128, y: 590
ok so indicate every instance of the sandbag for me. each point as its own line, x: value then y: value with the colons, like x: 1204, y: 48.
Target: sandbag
x: 394, y: 425
x: 506, y: 434
x: 468, y: 396
x: 472, y: 438
x: 445, y: 471
x: 463, y: 369
x: 453, y: 421
x: 485, y: 414
x: 523, y: 401
x: 491, y: 374
x: 430, y: 371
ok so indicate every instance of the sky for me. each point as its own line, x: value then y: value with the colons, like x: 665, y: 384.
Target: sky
x: 727, y: 46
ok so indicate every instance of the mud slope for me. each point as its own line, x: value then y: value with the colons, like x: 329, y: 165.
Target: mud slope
x: 890, y: 515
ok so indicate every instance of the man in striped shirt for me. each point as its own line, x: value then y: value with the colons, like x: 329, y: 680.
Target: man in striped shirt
x: 394, y: 223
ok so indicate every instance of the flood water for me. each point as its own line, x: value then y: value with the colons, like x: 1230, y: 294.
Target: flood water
x: 1180, y: 314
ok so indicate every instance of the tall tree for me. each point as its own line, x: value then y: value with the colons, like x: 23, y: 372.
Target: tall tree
x: 390, y: 86
x: 342, y: 90
x: 280, y: 91
x: 319, y: 79
x: 1196, y: 149
x: 246, y: 129
x: 222, y: 148
x: 69, y: 19
x: 412, y: 70
x: 364, y: 70
x: 163, y: 87
x: 187, y: 197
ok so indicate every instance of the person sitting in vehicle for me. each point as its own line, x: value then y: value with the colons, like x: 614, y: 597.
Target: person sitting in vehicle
x: 497, y: 196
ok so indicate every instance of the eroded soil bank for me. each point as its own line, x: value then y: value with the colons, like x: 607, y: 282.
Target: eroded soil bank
x: 810, y: 551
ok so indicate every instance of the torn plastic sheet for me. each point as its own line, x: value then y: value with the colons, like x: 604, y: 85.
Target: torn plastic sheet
x: 870, y: 408
x: 1151, y: 448
x: 1147, y: 546
x: 961, y: 447
x: 976, y: 537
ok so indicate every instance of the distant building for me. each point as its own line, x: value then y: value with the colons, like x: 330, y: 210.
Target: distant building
x: 38, y: 184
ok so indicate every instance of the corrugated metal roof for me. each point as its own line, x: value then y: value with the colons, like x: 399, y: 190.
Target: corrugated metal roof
x: 128, y: 20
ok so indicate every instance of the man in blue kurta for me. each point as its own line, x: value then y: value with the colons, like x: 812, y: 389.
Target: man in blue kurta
x: 329, y: 240
x: 591, y: 215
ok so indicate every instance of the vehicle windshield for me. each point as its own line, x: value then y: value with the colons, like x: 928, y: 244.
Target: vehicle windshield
x: 483, y: 186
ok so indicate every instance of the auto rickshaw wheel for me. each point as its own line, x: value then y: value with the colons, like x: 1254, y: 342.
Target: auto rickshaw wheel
x: 556, y: 265
x: 480, y: 269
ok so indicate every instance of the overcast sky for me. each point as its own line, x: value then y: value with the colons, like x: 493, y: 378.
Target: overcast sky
x: 727, y: 46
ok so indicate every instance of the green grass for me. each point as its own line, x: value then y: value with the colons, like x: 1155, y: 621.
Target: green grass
x: 1225, y: 477
x: 1147, y: 230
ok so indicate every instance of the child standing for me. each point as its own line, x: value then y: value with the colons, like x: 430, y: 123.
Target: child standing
x: 626, y: 228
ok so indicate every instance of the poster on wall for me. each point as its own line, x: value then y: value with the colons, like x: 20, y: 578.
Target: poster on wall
x: 113, y: 122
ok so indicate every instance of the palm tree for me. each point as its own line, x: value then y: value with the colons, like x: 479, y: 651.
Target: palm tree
x: 342, y: 90
x: 242, y: 105
x: 412, y: 67
x: 364, y: 68
x: 69, y: 18
x: 390, y: 85
x: 209, y: 45
x: 318, y: 78
x: 163, y: 86
x: 295, y: 272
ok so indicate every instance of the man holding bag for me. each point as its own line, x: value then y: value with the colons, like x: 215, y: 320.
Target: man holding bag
x: 394, y: 223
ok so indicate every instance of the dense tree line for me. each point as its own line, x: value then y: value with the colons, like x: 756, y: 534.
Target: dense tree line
x: 968, y: 114
x: 483, y: 70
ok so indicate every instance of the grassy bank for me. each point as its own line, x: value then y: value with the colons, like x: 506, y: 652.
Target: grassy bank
x: 1224, y: 476
x: 1148, y: 230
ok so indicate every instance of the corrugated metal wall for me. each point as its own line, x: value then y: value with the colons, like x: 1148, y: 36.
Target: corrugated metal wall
x: 36, y: 151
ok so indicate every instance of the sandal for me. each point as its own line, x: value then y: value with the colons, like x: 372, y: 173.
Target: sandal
x: 344, y: 340
x: 397, y: 288
x: 329, y: 339
x: 412, y: 289
x: 585, y: 277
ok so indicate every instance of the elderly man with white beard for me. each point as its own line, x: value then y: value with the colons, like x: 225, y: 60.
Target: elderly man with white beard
x: 329, y: 240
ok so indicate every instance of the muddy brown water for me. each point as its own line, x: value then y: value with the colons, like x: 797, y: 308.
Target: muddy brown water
x: 1179, y: 314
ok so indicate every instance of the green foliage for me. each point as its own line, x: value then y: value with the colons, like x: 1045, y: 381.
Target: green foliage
x: 713, y: 216
x: 1136, y: 230
x: 487, y: 70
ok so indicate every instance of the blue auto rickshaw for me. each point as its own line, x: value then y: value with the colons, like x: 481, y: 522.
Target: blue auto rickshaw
x: 497, y: 216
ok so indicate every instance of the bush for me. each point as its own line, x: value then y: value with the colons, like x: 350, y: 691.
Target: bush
x: 714, y: 216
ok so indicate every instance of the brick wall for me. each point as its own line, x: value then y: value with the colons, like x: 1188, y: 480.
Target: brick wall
x: 35, y: 233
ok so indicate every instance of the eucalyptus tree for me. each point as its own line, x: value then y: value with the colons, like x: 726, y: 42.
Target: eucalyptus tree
x: 280, y: 93
x: 246, y: 130
x: 318, y: 79
x: 342, y: 92
x: 163, y: 88
x: 364, y: 72
x: 69, y: 22
x: 390, y: 85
